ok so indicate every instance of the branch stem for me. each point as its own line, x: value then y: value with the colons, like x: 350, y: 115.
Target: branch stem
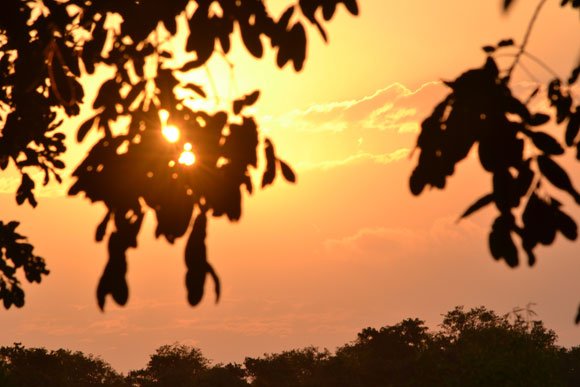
x: 526, y: 37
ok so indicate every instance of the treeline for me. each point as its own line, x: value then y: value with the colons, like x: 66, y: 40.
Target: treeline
x: 471, y: 348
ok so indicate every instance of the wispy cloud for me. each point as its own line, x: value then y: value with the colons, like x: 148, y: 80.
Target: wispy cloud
x: 397, y: 241
x: 384, y: 159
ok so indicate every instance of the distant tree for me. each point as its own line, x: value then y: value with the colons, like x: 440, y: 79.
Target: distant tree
x: 482, y: 109
x: 475, y: 347
x: 171, y: 366
x: 48, y: 46
x: 570, y: 365
x: 34, y: 367
x: 387, y: 356
x: 289, y: 368
x: 229, y: 375
x: 480, y: 348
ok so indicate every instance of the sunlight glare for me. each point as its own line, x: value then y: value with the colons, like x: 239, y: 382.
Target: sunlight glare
x: 171, y: 133
x: 187, y: 158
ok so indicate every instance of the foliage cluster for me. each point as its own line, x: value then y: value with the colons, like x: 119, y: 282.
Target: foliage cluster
x: 483, y: 111
x: 473, y: 347
x: 47, y: 46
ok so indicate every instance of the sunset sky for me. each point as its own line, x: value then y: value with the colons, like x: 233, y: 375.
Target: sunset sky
x: 348, y: 246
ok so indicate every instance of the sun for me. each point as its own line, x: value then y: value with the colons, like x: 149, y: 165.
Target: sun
x: 187, y: 157
x: 171, y: 133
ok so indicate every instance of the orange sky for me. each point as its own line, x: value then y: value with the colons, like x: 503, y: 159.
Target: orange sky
x: 345, y: 248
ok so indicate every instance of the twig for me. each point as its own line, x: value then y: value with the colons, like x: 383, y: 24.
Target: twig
x: 526, y: 37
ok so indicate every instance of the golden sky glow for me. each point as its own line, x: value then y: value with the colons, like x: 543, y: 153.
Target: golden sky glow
x: 345, y: 248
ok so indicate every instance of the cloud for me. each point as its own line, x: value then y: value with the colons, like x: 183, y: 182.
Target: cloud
x: 362, y: 157
x: 401, y: 241
x: 379, y: 127
x: 377, y: 240
x: 387, y: 108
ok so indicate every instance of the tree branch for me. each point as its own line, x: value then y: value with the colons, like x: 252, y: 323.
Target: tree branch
x: 526, y: 37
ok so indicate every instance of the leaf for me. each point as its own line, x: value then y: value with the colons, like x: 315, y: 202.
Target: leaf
x: 505, y: 43
x: 352, y: 6
x: 108, y: 94
x: 577, y: 321
x: 113, y: 280
x: 247, y: 100
x: 216, y: 281
x: 85, y: 127
x: 574, y: 76
x: 479, y: 204
x: 196, y: 260
x: 557, y: 176
x: 58, y: 164
x: 252, y: 98
x: 566, y: 225
x: 488, y: 49
x: 24, y: 191
x: 501, y: 244
x: 298, y: 45
x: 546, y: 143
x: 538, y: 119
x: 196, y: 89
x: 102, y: 227
x: 573, y: 127
x: 270, y: 172
x: 287, y: 172
x: 251, y: 39
x: 507, y: 4
x: 285, y: 18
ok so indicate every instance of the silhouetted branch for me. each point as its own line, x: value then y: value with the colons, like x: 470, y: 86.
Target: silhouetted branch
x: 526, y: 37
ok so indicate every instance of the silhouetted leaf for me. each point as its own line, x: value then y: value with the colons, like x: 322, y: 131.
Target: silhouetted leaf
x: 557, y: 176
x: 248, y: 100
x: 270, y: 172
x: 24, y: 191
x: 488, y: 49
x: 566, y: 225
x: 505, y: 43
x: 285, y: 18
x: 546, y: 143
x: 501, y: 243
x: 195, y: 88
x: 251, y: 38
x: 216, y: 281
x: 538, y: 118
x: 85, y: 127
x: 196, y: 261
x: 574, y: 75
x: 479, y: 204
x: 298, y: 54
x: 102, y: 228
x: 507, y: 4
x: 113, y: 280
x: 287, y: 172
x: 573, y: 127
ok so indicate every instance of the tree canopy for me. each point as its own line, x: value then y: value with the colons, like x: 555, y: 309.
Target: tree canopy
x: 483, y: 110
x: 47, y: 46
x: 475, y: 347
